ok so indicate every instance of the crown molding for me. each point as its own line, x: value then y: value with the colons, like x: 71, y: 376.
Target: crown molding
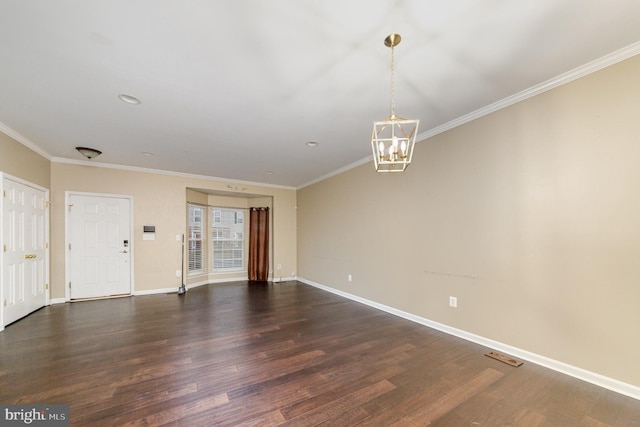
x: 164, y: 172
x: 562, y: 79
x: 569, y: 76
x: 338, y: 171
x: 32, y: 146
x: 24, y: 141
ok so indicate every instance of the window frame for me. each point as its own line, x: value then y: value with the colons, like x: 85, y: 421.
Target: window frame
x: 226, y: 225
x: 192, y: 242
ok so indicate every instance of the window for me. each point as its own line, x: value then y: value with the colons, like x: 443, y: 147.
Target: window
x: 196, y: 238
x: 227, y: 238
x: 217, y: 216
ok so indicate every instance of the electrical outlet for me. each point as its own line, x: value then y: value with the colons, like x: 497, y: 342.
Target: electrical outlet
x: 293, y: 274
x: 178, y: 273
x: 350, y: 278
x: 453, y: 302
x: 279, y: 266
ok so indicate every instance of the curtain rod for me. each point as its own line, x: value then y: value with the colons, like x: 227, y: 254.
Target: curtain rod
x: 227, y: 207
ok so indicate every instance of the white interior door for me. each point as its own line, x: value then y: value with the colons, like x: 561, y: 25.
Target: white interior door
x: 24, y: 260
x: 99, y: 246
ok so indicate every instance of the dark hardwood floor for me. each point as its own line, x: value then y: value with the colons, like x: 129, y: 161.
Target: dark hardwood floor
x: 248, y: 354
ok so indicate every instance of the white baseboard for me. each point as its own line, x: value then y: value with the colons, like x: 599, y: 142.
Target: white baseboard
x: 156, y: 291
x: 197, y: 284
x: 237, y: 279
x: 189, y: 286
x: 582, y: 374
x: 172, y: 290
x: 282, y: 279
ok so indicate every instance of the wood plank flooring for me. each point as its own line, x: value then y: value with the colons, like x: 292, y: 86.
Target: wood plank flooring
x: 250, y: 354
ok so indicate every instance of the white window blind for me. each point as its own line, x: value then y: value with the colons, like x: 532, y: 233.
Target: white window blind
x: 196, y: 238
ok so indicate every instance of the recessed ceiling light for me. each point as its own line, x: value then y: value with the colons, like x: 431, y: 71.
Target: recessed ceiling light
x: 312, y: 144
x: 268, y: 173
x: 146, y: 153
x: 129, y: 99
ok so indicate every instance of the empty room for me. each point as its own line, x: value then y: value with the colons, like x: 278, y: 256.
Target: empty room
x: 297, y: 213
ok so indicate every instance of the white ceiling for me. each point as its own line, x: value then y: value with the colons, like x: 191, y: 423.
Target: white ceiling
x: 233, y: 89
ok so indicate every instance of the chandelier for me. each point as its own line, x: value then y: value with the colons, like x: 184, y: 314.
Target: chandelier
x: 393, y: 138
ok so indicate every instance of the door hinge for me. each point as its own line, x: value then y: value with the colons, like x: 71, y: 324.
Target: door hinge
x: 47, y: 204
x: 5, y: 248
x: 46, y: 245
x: 46, y: 286
x: 69, y: 206
x: 69, y: 285
x: 69, y: 246
x: 4, y: 193
x: 5, y: 302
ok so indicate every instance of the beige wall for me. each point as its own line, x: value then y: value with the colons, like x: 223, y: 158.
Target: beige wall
x: 21, y: 162
x: 159, y: 200
x: 529, y: 216
x: 197, y: 197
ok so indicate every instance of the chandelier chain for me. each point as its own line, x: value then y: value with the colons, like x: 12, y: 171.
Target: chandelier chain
x: 393, y: 82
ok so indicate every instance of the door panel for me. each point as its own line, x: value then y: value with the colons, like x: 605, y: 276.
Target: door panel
x: 99, y: 249
x: 24, y: 264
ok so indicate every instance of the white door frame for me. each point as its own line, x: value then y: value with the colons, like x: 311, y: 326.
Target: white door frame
x: 4, y: 176
x: 67, y: 205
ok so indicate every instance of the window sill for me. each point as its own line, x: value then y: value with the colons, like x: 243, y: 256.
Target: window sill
x: 219, y: 272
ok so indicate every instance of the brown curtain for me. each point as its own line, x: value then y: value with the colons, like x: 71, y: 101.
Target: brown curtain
x: 259, y: 244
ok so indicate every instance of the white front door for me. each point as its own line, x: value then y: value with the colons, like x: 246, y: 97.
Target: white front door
x: 24, y: 260
x: 99, y: 246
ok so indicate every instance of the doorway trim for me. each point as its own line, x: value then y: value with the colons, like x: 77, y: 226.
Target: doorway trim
x: 67, y: 205
x: 47, y: 238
